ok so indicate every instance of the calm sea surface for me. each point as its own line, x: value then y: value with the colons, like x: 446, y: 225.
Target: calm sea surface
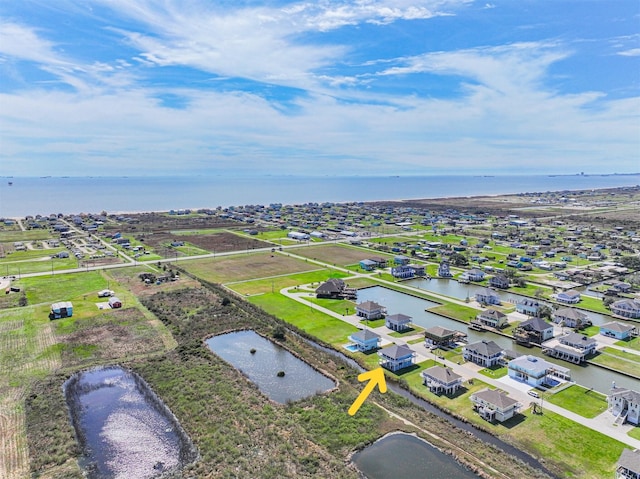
x: 31, y: 196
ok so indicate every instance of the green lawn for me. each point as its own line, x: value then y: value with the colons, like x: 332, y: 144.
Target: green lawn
x: 320, y: 325
x: 494, y: 373
x: 276, y: 283
x: 456, y: 311
x: 619, y: 360
x: 633, y: 343
x: 340, y: 306
x: 63, y: 287
x: 580, y: 400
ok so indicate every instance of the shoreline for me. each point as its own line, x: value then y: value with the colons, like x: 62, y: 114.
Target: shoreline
x: 491, y: 196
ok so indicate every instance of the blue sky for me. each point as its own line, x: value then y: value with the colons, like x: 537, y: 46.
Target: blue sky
x: 364, y: 87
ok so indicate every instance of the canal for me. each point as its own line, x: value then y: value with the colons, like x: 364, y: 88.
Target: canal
x: 396, y: 302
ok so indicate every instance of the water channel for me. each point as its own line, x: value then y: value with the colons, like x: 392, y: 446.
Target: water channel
x: 396, y: 302
x: 261, y: 360
x: 407, y: 456
x: 123, y: 428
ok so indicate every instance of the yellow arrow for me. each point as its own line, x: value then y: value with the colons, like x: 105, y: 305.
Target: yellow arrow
x: 375, y: 377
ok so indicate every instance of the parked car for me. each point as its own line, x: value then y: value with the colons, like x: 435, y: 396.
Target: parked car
x: 105, y: 293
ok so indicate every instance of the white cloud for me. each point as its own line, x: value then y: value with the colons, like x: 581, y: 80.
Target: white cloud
x: 632, y: 52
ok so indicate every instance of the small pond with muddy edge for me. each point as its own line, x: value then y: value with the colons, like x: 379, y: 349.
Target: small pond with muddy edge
x: 409, y: 457
x: 261, y: 360
x: 124, y: 429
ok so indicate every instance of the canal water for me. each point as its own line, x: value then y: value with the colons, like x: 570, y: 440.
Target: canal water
x: 262, y: 366
x: 396, y: 302
x: 454, y: 289
x: 123, y: 428
x: 408, y: 457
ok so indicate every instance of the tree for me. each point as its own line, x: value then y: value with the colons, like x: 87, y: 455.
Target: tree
x: 545, y: 312
x: 458, y: 259
x: 279, y: 332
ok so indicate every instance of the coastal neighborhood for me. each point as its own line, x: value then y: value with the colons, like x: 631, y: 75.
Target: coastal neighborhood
x: 500, y: 319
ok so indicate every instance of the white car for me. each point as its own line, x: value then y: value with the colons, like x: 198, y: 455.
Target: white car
x: 533, y: 393
x: 105, y: 293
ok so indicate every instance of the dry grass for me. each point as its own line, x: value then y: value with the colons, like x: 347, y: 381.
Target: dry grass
x: 13, y: 441
x: 250, y: 266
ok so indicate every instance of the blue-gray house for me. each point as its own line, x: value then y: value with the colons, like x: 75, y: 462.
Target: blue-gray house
x: 396, y: 357
x: 617, y: 330
x: 365, y: 340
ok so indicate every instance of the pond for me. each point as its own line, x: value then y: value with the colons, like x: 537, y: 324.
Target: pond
x: 396, y: 302
x: 407, y: 456
x: 124, y: 429
x: 262, y: 366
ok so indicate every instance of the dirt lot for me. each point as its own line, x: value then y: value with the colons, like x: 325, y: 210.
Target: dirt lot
x: 218, y: 242
x: 244, y: 267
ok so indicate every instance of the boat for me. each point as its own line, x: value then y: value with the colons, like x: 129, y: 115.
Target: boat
x: 10, y: 183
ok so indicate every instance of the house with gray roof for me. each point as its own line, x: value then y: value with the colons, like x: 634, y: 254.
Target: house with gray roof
x: 487, y: 296
x: 485, y: 353
x: 537, y: 329
x: 568, y: 297
x: 530, y: 307
x: 441, y: 380
x: 628, y: 465
x: 370, y: 310
x: 618, y: 330
x: 494, y: 405
x: 572, y: 347
x: 439, y: 337
x: 627, y: 308
x: 396, y: 357
x: 571, y: 318
x: 493, y: 318
x: 398, y: 322
x: 365, y: 340
x: 624, y: 404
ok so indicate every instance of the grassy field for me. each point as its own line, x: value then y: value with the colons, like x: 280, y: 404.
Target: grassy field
x: 226, y: 269
x: 633, y: 343
x: 619, y: 360
x: 276, y: 283
x: 580, y: 400
x: 337, y: 255
x: 322, y: 326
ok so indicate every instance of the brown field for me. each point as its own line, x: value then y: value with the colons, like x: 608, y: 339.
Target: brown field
x: 250, y: 266
x: 160, y: 222
x: 217, y: 242
x: 336, y: 254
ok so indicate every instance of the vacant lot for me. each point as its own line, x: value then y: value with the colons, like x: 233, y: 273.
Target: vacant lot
x: 336, y: 254
x: 251, y: 266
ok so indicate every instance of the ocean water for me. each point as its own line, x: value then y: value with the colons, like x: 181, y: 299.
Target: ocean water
x: 31, y: 196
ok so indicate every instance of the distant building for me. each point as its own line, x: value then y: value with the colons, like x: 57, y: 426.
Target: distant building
x: 487, y: 296
x: 398, y: 322
x: 370, y: 310
x: 443, y: 270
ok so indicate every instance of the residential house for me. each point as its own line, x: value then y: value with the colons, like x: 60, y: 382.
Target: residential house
x: 485, y: 353
x: 401, y: 260
x: 370, y: 310
x: 298, y: 236
x: 571, y: 318
x: 493, y: 318
x: 494, y: 405
x: 439, y: 337
x: 402, y: 272
x: 365, y: 340
x: 418, y: 269
x: 331, y: 289
x: 396, y: 357
x: 568, y: 297
x: 537, y: 330
x: 62, y: 309
x: 474, y: 274
x: 499, y: 281
x: 368, y: 265
x: 530, y: 307
x: 443, y: 270
x: 624, y: 404
x: 536, y: 371
x: 572, y: 347
x: 617, y: 330
x: 628, y: 465
x: 441, y: 380
x: 487, y: 296
x: 627, y: 308
x: 398, y: 322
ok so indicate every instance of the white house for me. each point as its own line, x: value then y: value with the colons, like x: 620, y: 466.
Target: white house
x: 624, y: 404
x: 494, y: 405
x: 441, y: 380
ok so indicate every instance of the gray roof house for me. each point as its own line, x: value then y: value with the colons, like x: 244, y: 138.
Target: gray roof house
x: 370, y: 310
x: 624, y: 404
x: 493, y: 318
x: 441, y: 380
x: 571, y: 318
x: 396, y: 357
x: 628, y: 465
x: 485, y: 353
x: 494, y: 405
x: 398, y: 322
